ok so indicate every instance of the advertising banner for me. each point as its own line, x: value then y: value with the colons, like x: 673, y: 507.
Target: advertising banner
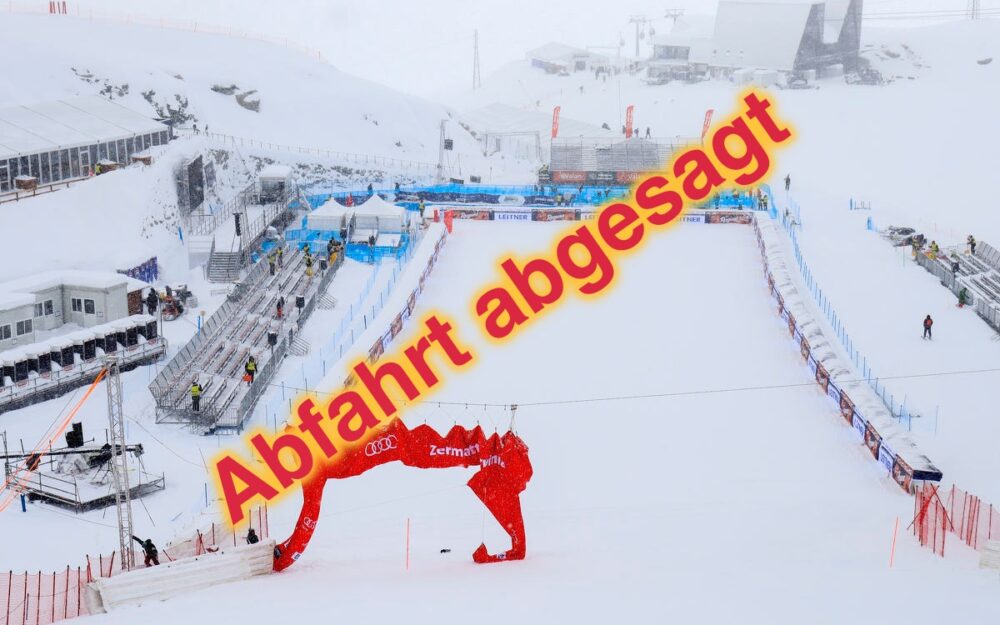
x: 902, y: 473
x: 397, y: 326
x: 846, y: 407
x: 584, y: 214
x: 728, y: 217
x: 791, y: 323
x: 859, y: 425
x: 804, y: 348
x: 693, y: 218
x: 376, y: 351
x: 627, y: 177
x: 577, y: 177
x: 475, y: 214
x: 598, y: 178
x: 555, y: 121
x: 833, y: 391
x: 822, y: 377
x: 872, y: 440
x: 524, y: 215
x: 886, y: 457
x: 628, y: 119
x: 555, y: 214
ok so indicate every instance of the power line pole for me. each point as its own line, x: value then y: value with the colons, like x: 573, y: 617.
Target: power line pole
x: 476, y: 80
x: 119, y: 461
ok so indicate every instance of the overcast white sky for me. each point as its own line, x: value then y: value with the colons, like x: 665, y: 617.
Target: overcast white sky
x: 425, y: 46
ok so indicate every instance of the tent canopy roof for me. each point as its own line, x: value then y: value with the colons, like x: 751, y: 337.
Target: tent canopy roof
x: 48, y: 126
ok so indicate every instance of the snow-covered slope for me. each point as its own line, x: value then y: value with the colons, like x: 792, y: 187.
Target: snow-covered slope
x: 287, y: 97
x: 749, y: 507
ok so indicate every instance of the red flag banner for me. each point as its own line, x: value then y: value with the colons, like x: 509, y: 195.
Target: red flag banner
x: 503, y: 471
x: 708, y: 122
x: 555, y: 121
x: 628, y: 120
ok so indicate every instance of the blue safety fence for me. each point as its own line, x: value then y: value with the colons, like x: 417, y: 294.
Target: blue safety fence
x: 523, y: 195
x: 899, y: 409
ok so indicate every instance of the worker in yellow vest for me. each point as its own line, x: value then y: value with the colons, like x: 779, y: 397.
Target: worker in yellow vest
x: 195, y: 395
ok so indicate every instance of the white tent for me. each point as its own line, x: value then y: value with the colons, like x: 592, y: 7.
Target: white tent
x: 374, y: 216
x: 329, y: 216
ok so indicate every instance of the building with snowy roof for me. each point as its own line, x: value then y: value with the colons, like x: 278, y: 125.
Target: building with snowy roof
x: 557, y: 57
x: 43, y: 302
x: 62, y: 140
x: 783, y: 35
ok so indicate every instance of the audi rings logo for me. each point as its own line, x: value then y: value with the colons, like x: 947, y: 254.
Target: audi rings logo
x: 380, y: 445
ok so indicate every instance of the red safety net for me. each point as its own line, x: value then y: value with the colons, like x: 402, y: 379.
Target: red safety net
x: 930, y: 518
x: 212, y: 536
x: 41, y: 598
x: 975, y: 522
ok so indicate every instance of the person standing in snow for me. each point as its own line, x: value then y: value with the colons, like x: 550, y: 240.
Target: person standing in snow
x: 195, y: 395
x: 252, y: 538
x: 149, y: 550
x: 280, y: 306
x: 371, y: 190
x: 270, y: 263
x: 647, y: 132
x: 963, y: 298
x: 151, y: 301
x: 928, y: 322
x: 971, y: 242
x: 788, y: 181
x: 250, y: 369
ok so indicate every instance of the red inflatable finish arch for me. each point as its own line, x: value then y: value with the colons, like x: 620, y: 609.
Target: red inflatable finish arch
x: 504, y: 471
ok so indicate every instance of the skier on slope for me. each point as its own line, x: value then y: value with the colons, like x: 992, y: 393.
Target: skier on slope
x: 788, y: 181
x: 149, y: 550
x: 928, y: 322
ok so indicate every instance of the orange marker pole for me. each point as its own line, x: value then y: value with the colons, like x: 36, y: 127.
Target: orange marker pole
x: 407, y: 543
x: 892, y: 551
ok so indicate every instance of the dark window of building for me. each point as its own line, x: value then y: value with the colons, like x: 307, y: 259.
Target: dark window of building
x: 46, y: 173
x: 4, y: 332
x: 122, y: 154
x: 64, y: 169
x: 48, y: 307
x: 74, y: 162
x: 35, y: 171
x: 39, y: 309
x: 88, y: 306
x: 77, y: 304
x: 24, y: 327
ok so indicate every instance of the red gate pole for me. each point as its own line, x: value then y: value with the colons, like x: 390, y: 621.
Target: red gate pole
x: 53, y: 611
x: 10, y: 582
x: 66, y: 596
x: 38, y: 600
x: 989, y: 528
x: 24, y: 604
x: 79, y: 608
